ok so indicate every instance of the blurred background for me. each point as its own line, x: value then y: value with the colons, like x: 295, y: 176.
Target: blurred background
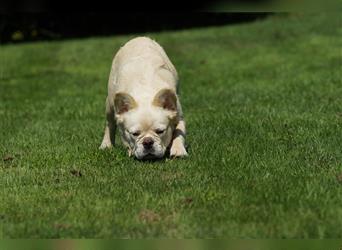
x: 34, y: 26
x: 22, y: 21
x: 168, y: 244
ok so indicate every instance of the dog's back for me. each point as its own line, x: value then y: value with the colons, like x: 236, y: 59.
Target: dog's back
x: 141, y: 65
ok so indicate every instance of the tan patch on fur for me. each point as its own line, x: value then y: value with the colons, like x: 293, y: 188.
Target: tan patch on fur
x: 145, y: 124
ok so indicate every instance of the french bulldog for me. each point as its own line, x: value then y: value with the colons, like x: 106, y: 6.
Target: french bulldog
x: 142, y: 102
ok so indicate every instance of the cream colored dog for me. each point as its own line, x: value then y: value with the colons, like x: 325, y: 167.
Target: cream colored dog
x: 142, y: 102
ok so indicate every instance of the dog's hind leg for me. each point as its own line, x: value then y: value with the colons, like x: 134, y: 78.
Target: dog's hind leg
x: 109, y: 133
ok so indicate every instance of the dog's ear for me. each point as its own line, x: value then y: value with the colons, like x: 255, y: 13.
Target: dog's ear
x: 166, y: 99
x: 123, y: 102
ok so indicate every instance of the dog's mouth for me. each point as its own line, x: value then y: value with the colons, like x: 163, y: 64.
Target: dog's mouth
x: 149, y: 156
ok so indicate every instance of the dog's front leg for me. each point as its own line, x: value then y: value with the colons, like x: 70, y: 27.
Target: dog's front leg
x: 178, y: 143
x: 109, y: 133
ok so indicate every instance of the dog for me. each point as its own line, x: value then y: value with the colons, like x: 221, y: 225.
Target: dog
x: 142, y: 102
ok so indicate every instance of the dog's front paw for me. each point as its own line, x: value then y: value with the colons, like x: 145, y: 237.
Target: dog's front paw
x: 105, y: 144
x: 178, y: 150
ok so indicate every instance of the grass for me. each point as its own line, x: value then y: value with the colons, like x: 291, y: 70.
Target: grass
x: 263, y: 108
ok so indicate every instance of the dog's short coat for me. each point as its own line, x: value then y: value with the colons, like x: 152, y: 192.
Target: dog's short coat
x: 142, y: 102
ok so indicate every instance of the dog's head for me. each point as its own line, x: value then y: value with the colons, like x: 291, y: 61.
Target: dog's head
x: 147, y: 129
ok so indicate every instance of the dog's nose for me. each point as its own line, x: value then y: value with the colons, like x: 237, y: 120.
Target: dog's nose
x: 148, y: 142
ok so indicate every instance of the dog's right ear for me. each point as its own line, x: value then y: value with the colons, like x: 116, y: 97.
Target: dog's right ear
x: 123, y: 102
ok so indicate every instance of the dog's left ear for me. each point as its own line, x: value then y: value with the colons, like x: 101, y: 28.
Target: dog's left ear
x: 166, y: 99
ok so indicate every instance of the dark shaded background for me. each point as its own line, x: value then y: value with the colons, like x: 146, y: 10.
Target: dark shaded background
x: 33, y: 26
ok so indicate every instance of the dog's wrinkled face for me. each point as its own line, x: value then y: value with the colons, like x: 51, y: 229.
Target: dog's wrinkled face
x: 147, y: 129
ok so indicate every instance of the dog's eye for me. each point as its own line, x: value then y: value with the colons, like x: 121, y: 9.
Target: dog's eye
x: 137, y: 133
x: 159, y: 131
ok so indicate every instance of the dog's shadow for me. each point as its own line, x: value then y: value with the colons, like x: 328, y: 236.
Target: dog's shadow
x: 123, y: 154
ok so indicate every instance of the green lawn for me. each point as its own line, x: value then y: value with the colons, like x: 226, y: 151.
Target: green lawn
x: 263, y: 106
